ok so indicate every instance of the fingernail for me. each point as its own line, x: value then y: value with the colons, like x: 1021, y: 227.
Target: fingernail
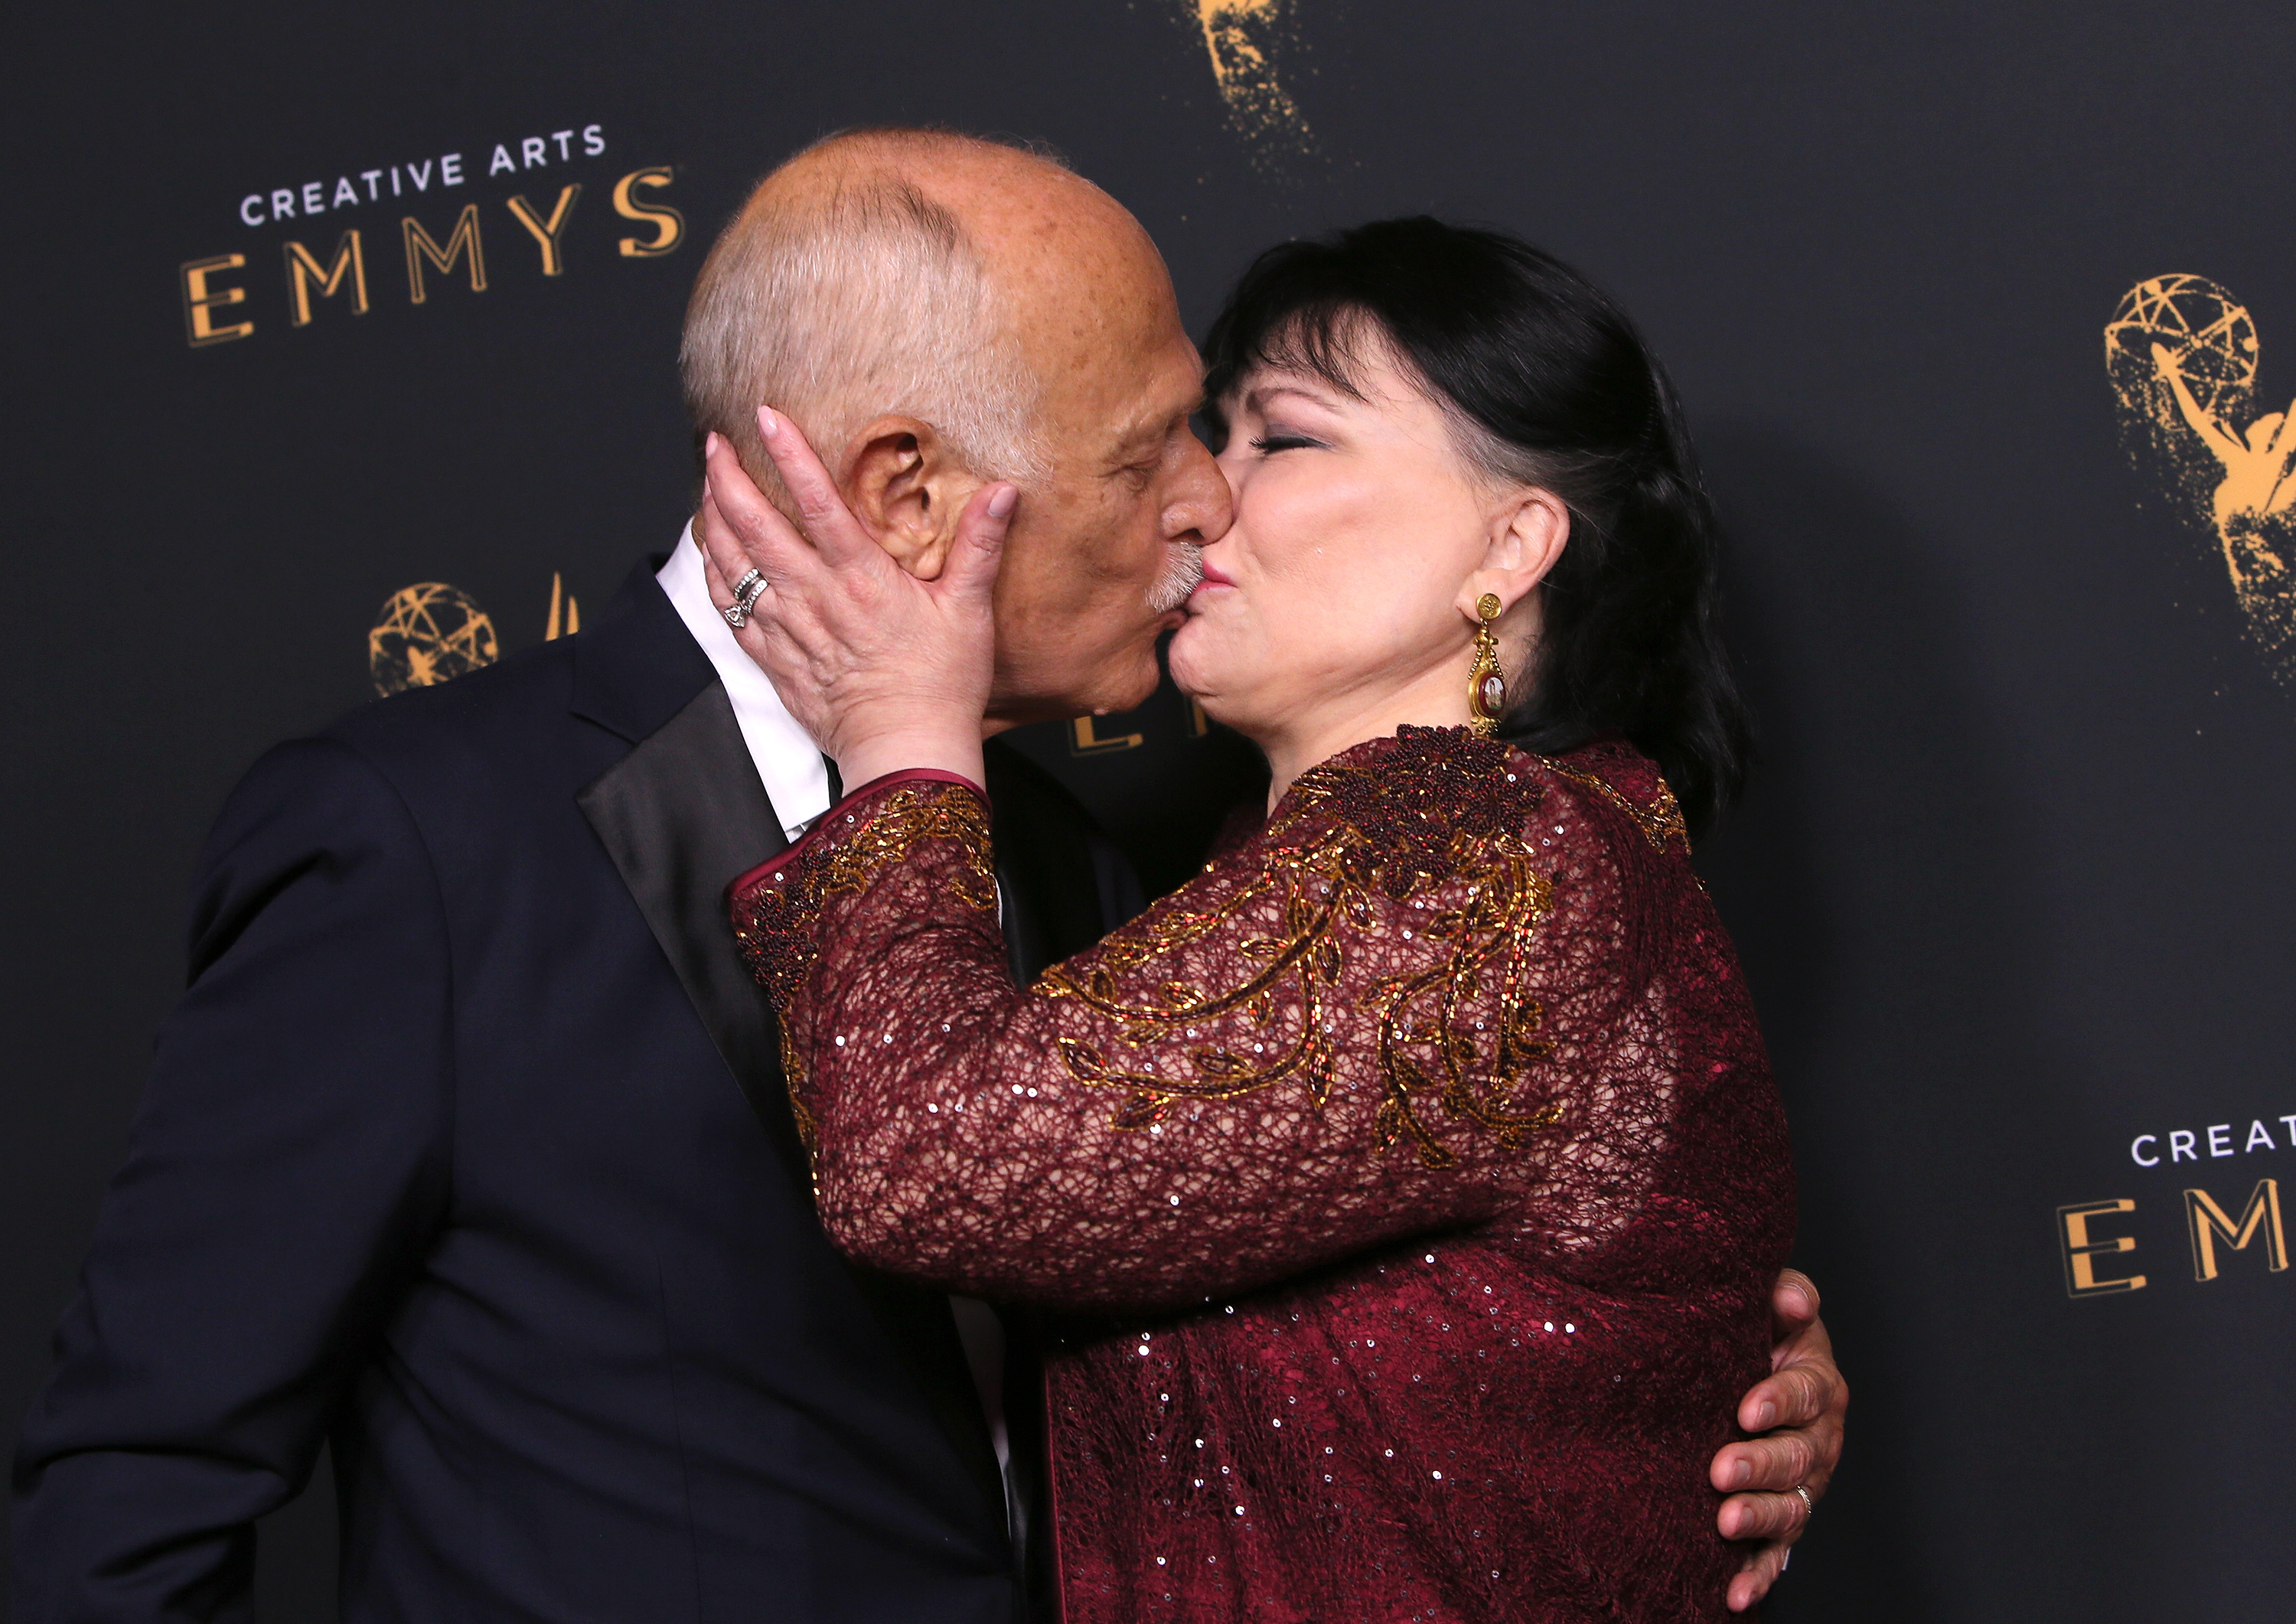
x: 770, y: 422
x: 1000, y: 504
x: 709, y: 445
x: 1765, y: 1418
x: 1742, y: 1474
x: 1786, y: 1559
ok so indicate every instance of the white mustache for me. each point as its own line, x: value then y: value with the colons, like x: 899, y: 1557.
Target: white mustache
x: 1181, y: 577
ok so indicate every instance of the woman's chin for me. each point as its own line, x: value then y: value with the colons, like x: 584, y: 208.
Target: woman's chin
x: 1188, y: 657
x: 1215, y: 698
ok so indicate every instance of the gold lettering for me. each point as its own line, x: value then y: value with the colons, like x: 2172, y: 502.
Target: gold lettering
x: 565, y: 613
x: 2207, y: 1221
x: 669, y: 225
x: 547, y: 232
x: 199, y: 301
x: 420, y: 246
x: 1084, y: 741
x: 302, y: 271
x: 2080, y: 1251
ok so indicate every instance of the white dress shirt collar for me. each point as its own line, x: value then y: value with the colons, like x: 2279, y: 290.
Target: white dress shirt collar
x: 788, y: 763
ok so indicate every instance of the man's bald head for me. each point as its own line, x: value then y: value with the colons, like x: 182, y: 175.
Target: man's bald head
x: 936, y: 312
x: 885, y: 272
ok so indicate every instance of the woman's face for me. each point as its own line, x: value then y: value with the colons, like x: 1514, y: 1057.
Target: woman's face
x: 1341, y: 583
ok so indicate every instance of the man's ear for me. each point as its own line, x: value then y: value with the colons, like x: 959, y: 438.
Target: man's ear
x: 907, y: 489
x: 1526, y: 539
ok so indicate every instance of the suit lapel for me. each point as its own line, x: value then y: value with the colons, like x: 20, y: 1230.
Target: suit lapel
x: 682, y: 816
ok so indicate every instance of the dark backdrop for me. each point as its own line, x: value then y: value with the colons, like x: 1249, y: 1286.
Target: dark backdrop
x: 2014, y: 887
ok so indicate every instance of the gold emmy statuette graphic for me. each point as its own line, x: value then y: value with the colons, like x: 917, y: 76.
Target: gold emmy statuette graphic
x: 2182, y: 354
x: 430, y: 633
x: 427, y: 633
x: 1244, y: 38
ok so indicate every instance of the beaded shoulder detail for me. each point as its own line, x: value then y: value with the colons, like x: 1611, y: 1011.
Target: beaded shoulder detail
x: 1631, y: 784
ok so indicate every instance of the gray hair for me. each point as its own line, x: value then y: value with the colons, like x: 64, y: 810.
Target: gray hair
x: 857, y: 299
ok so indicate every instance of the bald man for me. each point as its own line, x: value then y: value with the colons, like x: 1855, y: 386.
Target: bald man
x: 465, y: 1151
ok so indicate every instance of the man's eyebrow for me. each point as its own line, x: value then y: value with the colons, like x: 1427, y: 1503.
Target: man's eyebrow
x: 1146, y: 434
x: 1135, y: 439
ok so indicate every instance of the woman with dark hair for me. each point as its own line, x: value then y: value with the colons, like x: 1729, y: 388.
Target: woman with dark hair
x: 1545, y: 383
x: 1411, y: 1180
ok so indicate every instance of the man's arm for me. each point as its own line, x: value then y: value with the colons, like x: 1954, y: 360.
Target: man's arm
x: 284, y: 1172
x: 1798, y: 1411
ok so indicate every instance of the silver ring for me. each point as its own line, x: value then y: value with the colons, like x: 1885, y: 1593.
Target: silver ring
x: 745, y: 598
x: 1809, y: 1505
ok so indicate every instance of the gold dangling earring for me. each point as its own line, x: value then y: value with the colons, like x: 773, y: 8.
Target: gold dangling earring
x: 1486, y: 683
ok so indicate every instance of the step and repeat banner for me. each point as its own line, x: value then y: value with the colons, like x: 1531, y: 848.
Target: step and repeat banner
x: 342, y: 361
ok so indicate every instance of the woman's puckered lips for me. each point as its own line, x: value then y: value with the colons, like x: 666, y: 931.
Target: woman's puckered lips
x: 1213, y: 577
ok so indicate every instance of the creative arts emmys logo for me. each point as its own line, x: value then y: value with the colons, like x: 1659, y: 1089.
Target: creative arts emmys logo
x: 220, y: 306
x: 2182, y: 354
x: 2091, y: 1237
x: 430, y: 632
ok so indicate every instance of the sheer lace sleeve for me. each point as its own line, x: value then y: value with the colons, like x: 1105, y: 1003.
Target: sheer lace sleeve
x: 1415, y: 1001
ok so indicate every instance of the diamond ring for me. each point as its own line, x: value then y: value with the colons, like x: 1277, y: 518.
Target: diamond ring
x: 746, y: 594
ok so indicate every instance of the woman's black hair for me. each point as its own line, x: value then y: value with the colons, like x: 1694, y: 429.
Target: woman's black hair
x: 1547, y: 383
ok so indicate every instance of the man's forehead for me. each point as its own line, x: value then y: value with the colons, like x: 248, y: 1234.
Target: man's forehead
x: 1092, y: 301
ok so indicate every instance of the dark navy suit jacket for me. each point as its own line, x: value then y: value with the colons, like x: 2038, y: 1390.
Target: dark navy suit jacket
x: 466, y: 1150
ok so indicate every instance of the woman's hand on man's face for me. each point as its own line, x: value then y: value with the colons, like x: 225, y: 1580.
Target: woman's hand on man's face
x: 885, y: 671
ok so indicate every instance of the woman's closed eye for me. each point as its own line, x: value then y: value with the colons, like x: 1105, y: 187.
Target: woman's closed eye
x: 1268, y: 445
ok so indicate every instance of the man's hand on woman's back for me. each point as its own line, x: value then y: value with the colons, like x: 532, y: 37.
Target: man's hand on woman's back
x: 1796, y: 1413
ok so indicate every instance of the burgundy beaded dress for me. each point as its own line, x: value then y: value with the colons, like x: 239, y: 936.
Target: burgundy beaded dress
x: 1410, y: 1183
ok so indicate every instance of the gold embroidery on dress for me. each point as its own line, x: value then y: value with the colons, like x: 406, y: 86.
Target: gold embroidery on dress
x: 852, y: 863
x: 1661, y: 822
x: 1323, y: 889
x: 794, y: 1075
x: 913, y: 813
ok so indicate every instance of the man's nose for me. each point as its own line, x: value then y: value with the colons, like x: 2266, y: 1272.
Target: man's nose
x: 1200, y: 502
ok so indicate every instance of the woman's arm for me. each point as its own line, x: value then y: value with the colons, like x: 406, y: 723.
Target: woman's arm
x: 1335, y: 1038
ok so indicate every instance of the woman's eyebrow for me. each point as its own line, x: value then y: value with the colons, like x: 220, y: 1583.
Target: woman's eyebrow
x: 1261, y: 393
